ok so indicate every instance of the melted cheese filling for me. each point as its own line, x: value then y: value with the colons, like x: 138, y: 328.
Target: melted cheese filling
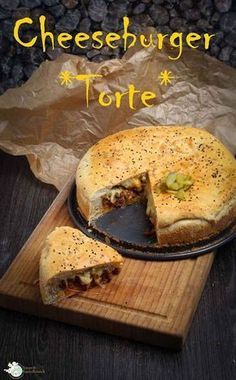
x: 89, y: 278
x: 129, y: 189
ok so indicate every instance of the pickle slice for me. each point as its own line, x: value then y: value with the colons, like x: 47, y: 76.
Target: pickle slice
x: 170, y: 179
x: 180, y: 195
x: 175, y: 183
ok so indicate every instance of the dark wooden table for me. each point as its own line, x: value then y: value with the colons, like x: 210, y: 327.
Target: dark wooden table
x: 68, y: 352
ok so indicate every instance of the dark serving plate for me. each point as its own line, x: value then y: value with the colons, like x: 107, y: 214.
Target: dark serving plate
x: 124, y: 230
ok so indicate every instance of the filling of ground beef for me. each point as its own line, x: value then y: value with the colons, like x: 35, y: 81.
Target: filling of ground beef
x: 88, y: 279
x: 128, y: 192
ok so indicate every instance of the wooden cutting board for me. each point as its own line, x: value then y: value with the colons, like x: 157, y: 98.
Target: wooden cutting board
x: 153, y: 302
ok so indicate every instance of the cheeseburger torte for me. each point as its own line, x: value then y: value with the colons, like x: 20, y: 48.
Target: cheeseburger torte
x: 185, y: 174
x: 71, y: 263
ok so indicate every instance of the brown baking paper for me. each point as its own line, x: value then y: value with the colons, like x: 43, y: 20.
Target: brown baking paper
x: 52, y: 126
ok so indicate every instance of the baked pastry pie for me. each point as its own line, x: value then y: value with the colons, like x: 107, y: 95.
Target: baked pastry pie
x: 71, y: 263
x: 186, y: 175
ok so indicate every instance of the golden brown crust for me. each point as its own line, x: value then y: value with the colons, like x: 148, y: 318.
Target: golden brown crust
x: 157, y: 151
x: 193, y: 231
x: 68, y: 251
x: 83, y: 203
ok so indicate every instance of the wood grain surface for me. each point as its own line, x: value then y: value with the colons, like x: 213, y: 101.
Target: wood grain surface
x: 210, y: 349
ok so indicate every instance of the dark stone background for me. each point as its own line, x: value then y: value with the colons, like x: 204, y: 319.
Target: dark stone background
x: 17, y: 63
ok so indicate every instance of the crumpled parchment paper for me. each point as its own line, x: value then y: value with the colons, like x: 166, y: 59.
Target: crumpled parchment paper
x: 52, y: 126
